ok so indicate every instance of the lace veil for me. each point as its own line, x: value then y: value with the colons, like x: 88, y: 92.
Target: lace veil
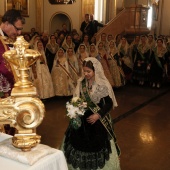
x: 100, y: 81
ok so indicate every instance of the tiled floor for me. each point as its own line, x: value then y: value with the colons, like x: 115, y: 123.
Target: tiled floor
x: 142, y: 126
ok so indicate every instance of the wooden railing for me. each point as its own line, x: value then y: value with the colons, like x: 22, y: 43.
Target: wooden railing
x: 126, y: 22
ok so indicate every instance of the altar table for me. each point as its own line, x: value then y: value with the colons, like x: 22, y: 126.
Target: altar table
x: 55, y: 161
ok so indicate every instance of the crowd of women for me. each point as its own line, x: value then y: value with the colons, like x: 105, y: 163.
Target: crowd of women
x: 90, y: 69
x: 145, y: 61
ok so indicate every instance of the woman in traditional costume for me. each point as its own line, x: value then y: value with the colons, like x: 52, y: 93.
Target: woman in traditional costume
x: 157, y: 64
x: 133, y: 48
x: 141, y: 61
x: 33, y: 41
x: 82, y: 53
x: 86, y: 41
x: 51, y: 50
x: 68, y: 43
x: 151, y: 41
x: 167, y: 59
x: 93, y: 144
x: 41, y: 75
x: 63, y: 81
x: 103, y: 39
x: 73, y: 64
x: 124, y: 51
x: 93, y: 51
x: 115, y: 65
x: 102, y: 57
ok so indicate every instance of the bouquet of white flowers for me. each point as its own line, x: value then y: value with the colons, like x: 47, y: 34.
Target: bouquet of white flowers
x: 75, y: 109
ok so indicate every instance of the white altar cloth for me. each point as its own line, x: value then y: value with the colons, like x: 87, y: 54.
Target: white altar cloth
x: 55, y: 161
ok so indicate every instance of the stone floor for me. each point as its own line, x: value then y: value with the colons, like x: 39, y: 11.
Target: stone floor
x: 141, y: 122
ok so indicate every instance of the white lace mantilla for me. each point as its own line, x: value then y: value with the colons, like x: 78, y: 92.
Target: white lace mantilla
x: 99, y: 92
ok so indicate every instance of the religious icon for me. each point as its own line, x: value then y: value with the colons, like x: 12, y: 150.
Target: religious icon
x: 22, y: 5
x: 61, y: 1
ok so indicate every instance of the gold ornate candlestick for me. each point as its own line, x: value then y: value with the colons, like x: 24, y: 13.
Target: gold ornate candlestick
x: 22, y: 58
x: 23, y: 109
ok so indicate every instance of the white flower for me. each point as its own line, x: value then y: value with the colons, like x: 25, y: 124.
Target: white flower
x: 76, y: 107
x: 71, y: 114
x: 75, y: 99
x: 84, y: 104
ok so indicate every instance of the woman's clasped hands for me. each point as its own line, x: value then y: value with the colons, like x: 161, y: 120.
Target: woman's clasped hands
x: 93, y: 118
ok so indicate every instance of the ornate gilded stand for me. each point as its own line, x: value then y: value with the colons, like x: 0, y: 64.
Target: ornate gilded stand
x: 23, y: 109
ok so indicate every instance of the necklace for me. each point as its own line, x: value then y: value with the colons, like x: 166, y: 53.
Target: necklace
x: 90, y: 88
x: 90, y: 84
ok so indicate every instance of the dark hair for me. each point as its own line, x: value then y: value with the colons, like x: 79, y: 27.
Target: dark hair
x: 124, y: 36
x: 159, y: 39
x: 39, y: 41
x: 150, y: 35
x: 12, y: 16
x: 88, y: 64
x: 52, y: 35
x: 143, y: 36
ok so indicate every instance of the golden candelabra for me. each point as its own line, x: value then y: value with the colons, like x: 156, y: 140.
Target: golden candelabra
x: 23, y: 109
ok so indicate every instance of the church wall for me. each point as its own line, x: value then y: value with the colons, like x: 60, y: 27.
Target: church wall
x: 71, y: 10
x: 164, y: 14
x: 2, y: 7
x: 161, y: 26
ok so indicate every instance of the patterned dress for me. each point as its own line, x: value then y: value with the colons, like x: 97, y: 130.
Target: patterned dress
x: 62, y: 80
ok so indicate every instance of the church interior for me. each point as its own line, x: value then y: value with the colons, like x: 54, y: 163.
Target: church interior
x: 141, y: 120
x: 141, y: 124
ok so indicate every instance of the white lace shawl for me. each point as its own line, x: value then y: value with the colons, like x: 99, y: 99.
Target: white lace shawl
x: 101, y: 87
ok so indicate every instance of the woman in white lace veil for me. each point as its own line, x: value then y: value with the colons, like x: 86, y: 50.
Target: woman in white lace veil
x: 92, y: 145
x: 93, y: 51
x: 73, y: 64
x: 100, y: 80
x: 81, y: 54
x: 68, y: 43
x: 125, y: 52
x: 61, y: 76
x: 41, y: 75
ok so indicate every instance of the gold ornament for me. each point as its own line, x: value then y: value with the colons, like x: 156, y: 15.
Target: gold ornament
x: 23, y: 109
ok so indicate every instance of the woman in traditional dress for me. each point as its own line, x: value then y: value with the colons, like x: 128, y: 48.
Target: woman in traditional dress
x: 115, y: 65
x: 68, y: 43
x: 93, y: 144
x: 167, y: 59
x: 103, y: 59
x: 51, y: 50
x: 141, y: 60
x: 41, y: 75
x: 93, y: 51
x: 133, y: 48
x: 118, y: 38
x: 82, y: 53
x: 124, y: 52
x: 73, y: 64
x: 151, y: 41
x: 157, y: 64
x: 62, y: 79
x: 103, y: 39
x: 86, y: 41
x: 33, y: 40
